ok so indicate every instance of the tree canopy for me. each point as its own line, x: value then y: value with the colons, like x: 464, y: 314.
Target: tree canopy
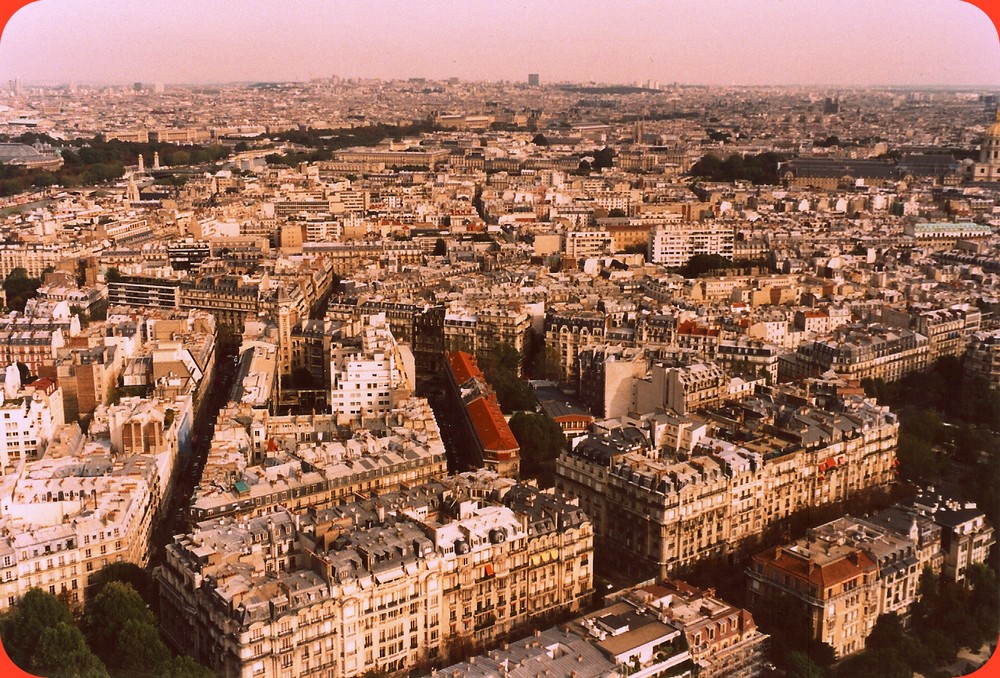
x: 39, y: 635
x: 128, y: 573
x: 107, y: 615
x: 62, y: 652
x: 758, y: 169
x: 19, y: 287
x: 541, y: 440
x: 500, y: 366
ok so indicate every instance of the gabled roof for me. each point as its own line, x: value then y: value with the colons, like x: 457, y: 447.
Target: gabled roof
x: 463, y: 366
x: 491, y: 427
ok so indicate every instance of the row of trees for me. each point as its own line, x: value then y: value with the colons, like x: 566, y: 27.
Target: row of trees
x: 117, y: 634
x: 942, y: 389
x: 325, y: 141
x: 932, y: 450
x: 759, y: 169
x: 93, y: 161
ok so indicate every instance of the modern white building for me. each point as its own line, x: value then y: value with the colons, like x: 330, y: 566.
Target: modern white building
x: 367, y: 378
x: 674, y: 244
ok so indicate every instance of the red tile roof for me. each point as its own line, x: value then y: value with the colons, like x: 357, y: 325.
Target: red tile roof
x: 463, y: 366
x: 688, y: 327
x: 494, y: 433
x: 834, y: 572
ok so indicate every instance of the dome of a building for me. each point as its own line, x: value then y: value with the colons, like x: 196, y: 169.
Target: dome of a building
x: 993, y: 131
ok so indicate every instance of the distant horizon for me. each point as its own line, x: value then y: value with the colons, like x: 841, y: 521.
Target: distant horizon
x: 910, y: 44
x: 663, y: 86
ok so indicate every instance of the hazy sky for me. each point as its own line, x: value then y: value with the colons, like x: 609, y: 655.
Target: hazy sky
x: 898, y: 42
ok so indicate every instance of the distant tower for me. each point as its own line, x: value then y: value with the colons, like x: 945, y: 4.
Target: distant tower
x: 639, y: 131
x: 988, y: 167
x: 142, y: 164
x: 132, y: 195
x: 533, y: 80
x: 156, y: 160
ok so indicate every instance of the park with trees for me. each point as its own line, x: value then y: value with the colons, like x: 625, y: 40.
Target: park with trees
x: 116, y: 633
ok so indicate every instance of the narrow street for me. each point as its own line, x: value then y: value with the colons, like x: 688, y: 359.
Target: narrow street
x: 173, y: 520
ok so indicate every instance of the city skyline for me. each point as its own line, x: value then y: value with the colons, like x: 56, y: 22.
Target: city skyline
x: 918, y: 43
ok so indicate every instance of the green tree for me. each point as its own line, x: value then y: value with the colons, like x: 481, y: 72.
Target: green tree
x: 139, y: 650
x: 883, y: 663
x: 440, y: 247
x: 984, y: 603
x: 888, y: 632
x: 184, y: 667
x: 758, y: 169
x: 709, y: 167
x: 62, y: 652
x: 540, y: 140
x: 500, y: 366
x: 700, y: 264
x: 128, y: 573
x: 799, y: 665
x: 108, y: 613
x: 541, y: 440
x: 19, y: 287
x: 35, y: 612
x: 917, y: 459
x: 178, y: 158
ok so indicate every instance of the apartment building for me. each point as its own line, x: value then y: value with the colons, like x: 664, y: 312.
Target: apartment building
x: 743, y: 354
x: 723, y: 640
x: 671, y: 512
x: 849, y: 571
x: 854, y: 353
x: 982, y: 358
x: 375, y: 585
x: 948, y: 330
x: 586, y: 244
x: 311, y: 463
x: 838, y: 584
x: 36, y: 257
x: 60, y: 525
x: 123, y: 231
x: 142, y: 291
x: 28, y: 421
x: 568, y: 332
x: 966, y: 535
